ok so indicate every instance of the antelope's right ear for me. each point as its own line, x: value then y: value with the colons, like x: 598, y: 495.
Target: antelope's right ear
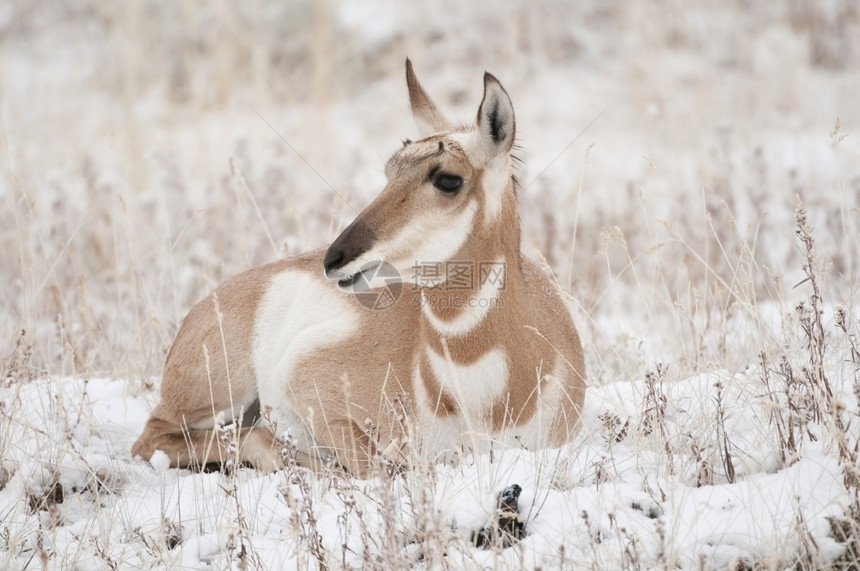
x: 427, y: 116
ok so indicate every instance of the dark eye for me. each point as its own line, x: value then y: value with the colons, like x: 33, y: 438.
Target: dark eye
x: 449, y: 183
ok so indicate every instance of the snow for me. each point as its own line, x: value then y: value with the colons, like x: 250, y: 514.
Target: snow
x: 138, y: 174
x: 614, y: 493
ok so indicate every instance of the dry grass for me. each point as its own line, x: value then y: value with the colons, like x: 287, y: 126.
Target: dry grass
x: 151, y: 150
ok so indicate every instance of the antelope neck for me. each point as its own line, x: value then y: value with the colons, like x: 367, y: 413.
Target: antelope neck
x: 481, y: 283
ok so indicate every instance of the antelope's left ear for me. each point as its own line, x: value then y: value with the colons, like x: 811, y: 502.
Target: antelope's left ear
x: 496, y: 123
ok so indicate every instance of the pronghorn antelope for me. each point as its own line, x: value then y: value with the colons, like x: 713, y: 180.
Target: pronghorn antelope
x: 478, y: 351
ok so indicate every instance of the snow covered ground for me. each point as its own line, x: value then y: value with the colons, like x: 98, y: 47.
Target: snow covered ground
x: 614, y: 499
x: 150, y: 150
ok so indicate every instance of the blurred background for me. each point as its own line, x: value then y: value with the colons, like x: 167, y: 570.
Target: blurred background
x: 150, y: 150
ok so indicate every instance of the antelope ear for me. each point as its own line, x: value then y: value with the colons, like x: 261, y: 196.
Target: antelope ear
x: 496, y: 123
x: 427, y: 116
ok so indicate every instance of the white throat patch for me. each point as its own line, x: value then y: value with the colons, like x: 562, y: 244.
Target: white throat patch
x: 474, y: 309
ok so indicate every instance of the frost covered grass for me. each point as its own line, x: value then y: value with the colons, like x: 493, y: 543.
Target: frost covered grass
x: 706, y: 227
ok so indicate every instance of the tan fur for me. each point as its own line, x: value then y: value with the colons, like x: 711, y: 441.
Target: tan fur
x: 423, y: 109
x: 197, y: 379
x: 373, y: 390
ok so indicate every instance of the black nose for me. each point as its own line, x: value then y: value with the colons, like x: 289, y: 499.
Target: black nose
x: 332, y: 260
x: 355, y: 240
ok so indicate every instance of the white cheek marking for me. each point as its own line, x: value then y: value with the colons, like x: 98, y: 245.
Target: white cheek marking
x: 474, y: 309
x: 437, y: 237
x: 431, y: 238
x: 286, y: 331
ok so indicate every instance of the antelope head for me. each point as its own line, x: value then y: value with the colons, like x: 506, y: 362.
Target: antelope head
x: 443, y: 191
